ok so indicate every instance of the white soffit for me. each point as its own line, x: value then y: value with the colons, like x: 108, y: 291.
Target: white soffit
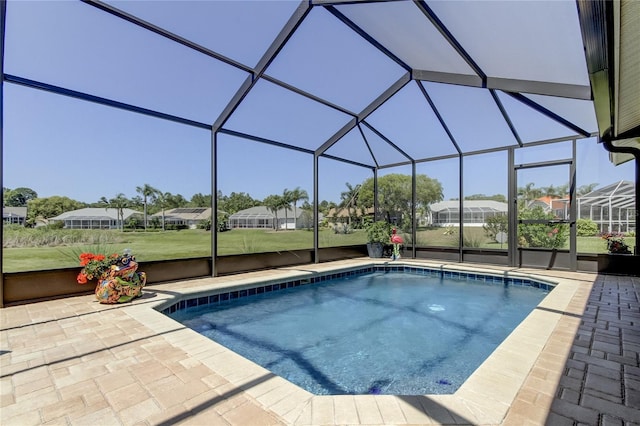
x: 628, y: 78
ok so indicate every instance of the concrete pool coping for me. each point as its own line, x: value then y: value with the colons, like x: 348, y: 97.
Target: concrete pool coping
x: 518, y: 379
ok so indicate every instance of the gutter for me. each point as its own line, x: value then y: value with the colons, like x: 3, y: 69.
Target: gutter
x: 609, y: 146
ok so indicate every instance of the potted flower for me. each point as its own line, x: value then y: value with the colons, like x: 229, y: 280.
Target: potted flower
x: 378, y: 234
x: 616, y: 244
x: 115, y: 276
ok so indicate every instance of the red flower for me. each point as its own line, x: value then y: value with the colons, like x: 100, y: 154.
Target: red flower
x: 82, y: 278
x: 95, y: 265
x: 85, y: 258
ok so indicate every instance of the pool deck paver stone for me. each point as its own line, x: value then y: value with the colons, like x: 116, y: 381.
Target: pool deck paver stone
x: 574, y: 360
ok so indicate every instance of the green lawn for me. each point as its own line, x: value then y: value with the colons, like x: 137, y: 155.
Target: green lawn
x: 197, y: 243
x: 167, y: 245
x: 440, y: 237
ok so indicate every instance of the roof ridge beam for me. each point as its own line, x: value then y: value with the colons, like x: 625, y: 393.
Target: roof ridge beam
x: 552, y: 115
x: 563, y: 90
x: 164, y: 33
x: 384, y: 96
x: 362, y: 33
x: 287, y: 146
x: 438, y: 116
x: 388, y: 141
x: 506, y: 117
x: 339, y: 2
x: 264, y: 140
x: 430, y: 14
x: 366, y: 142
x: 307, y: 95
x: 447, y: 78
x: 102, y: 101
x: 276, y: 46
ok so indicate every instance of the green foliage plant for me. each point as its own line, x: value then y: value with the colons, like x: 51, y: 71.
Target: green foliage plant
x: 379, y: 232
x: 472, y: 240
x: 496, y: 224
x: 49, y: 207
x: 342, y: 228
x: 541, y: 234
x: 616, y: 243
x: 586, y: 228
x: 394, y: 195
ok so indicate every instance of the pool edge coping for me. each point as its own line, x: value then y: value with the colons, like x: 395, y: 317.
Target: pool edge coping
x: 471, y: 403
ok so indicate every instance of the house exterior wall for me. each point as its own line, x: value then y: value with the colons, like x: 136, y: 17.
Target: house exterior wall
x: 14, y: 220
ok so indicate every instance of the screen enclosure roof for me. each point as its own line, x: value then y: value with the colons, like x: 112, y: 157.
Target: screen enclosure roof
x: 372, y: 83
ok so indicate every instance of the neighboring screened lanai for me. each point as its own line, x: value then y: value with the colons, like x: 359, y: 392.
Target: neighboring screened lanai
x: 254, y: 218
x: 447, y: 213
x: 611, y: 207
x: 375, y: 85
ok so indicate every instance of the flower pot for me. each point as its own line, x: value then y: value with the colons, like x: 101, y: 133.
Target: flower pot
x: 375, y: 250
x: 116, y: 290
x: 122, y: 284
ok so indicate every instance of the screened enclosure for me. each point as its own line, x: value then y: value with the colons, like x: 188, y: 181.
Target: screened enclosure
x: 447, y: 213
x: 611, y: 207
x: 483, y: 97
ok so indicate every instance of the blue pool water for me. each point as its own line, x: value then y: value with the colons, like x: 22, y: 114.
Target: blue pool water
x: 378, y: 333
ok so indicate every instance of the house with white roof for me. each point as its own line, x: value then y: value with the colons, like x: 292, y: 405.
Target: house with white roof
x: 95, y: 218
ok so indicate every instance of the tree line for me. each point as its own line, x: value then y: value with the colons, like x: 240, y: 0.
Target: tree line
x: 151, y: 201
x: 394, y: 200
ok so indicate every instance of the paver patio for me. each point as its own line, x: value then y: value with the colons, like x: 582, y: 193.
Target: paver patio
x: 575, y: 360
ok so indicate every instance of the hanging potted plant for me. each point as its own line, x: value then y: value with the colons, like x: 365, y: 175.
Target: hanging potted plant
x: 378, y: 234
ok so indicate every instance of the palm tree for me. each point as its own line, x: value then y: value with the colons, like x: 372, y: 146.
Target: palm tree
x: 146, y: 191
x: 296, y: 195
x: 160, y: 198
x: 287, y: 199
x: 274, y: 203
x: 585, y: 189
x: 529, y: 193
x: 553, y: 191
x: 119, y: 202
x: 349, y: 199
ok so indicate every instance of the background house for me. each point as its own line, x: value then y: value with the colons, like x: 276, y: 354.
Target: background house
x: 95, y: 218
x: 260, y: 217
x: 14, y: 215
x: 190, y: 217
x: 475, y: 212
x: 611, y: 207
x: 341, y: 214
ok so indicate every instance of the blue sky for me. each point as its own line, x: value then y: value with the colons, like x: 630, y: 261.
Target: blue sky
x: 63, y: 146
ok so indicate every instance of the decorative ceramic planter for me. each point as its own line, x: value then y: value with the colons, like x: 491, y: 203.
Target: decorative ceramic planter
x: 116, y: 290
x: 121, y: 285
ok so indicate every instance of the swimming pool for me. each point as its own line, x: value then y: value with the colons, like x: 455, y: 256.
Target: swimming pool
x: 383, y: 330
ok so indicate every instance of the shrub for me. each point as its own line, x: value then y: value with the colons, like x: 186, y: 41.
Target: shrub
x: 55, y: 225
x: 541, y: 234
x: 472, y: 240
x: 450, y: 230
x: 586, y: 228
x: 379, y: 232
x: 495, y: 224
x: 616, y: 243
x: 206, y: 224
x: 342, y: 228
x: 47, y: 237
